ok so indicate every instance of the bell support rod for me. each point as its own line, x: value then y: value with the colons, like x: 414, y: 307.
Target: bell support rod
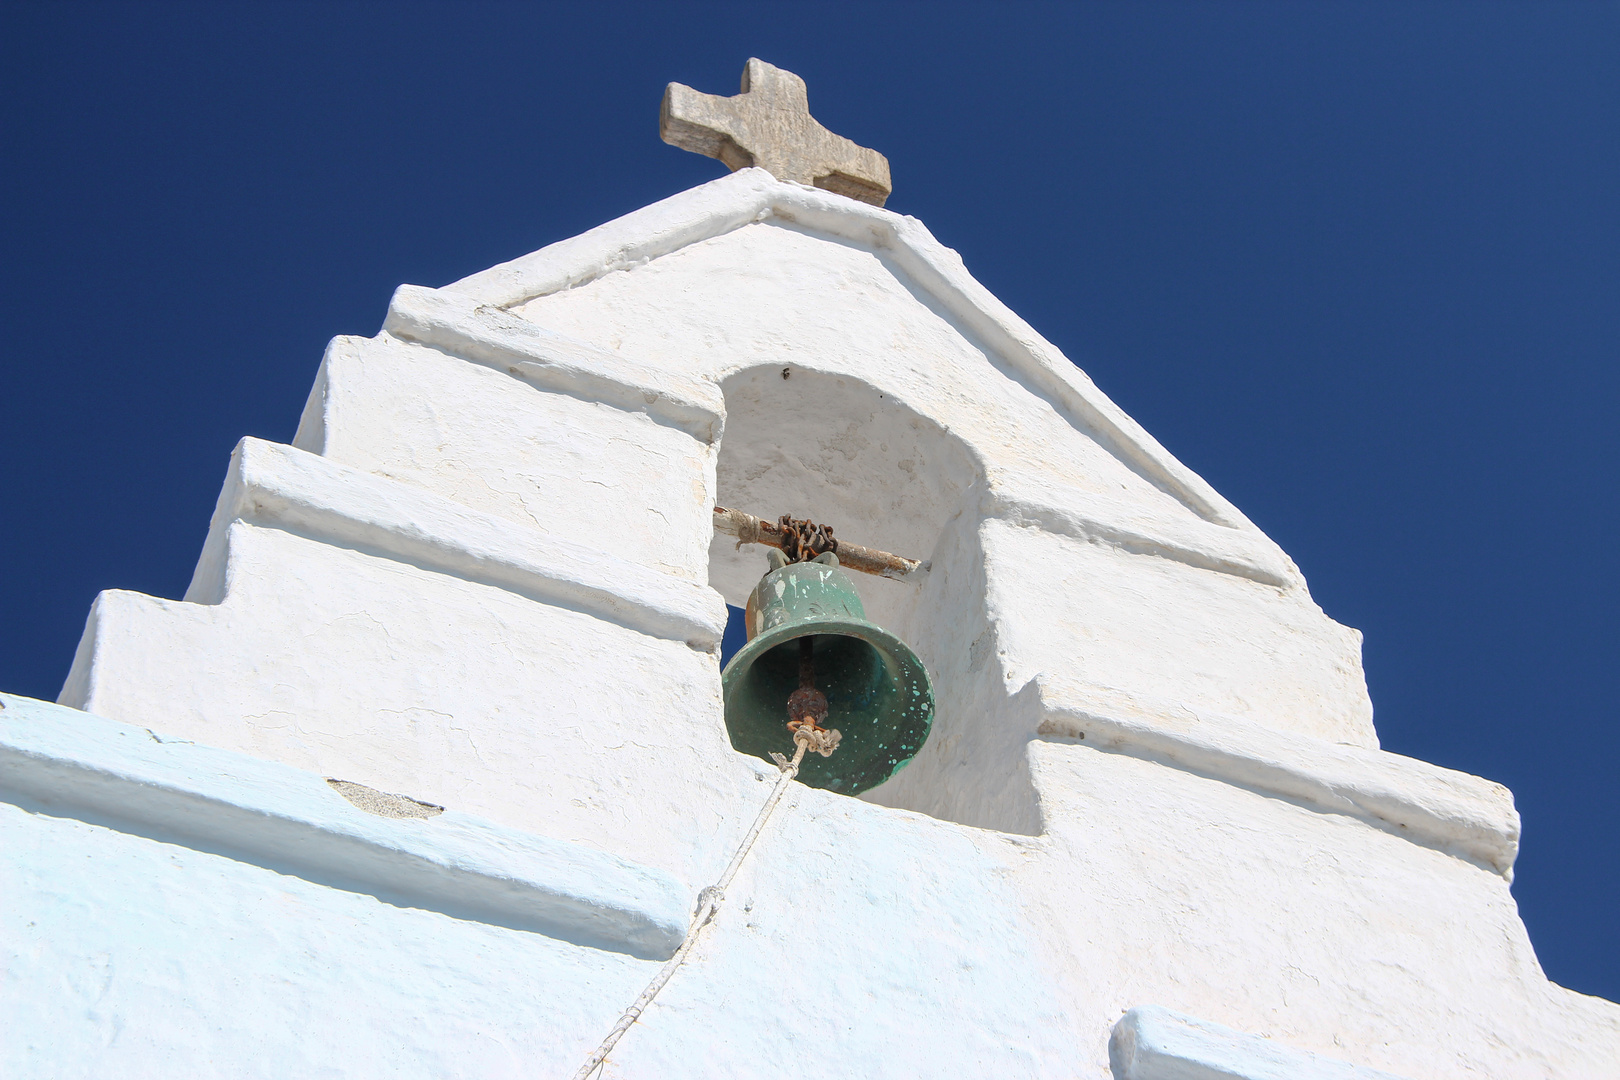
x: 749, y: 529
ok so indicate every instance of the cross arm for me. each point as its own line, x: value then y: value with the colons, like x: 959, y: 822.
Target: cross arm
x: 705, y: 124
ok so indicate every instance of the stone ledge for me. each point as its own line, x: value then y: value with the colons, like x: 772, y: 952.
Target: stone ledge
x: 64, y: 762
x: 1453, y: 811
x: 1067, y: 511
x: 489, y: 335
x: 282, y: 487
x: 1152, y: 1043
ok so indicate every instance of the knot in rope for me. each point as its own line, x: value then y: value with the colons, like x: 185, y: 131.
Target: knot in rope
x: 746, y: 527
x: 818, y: 740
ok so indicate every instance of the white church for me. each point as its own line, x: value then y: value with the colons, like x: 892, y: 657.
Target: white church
x: 433, y: 771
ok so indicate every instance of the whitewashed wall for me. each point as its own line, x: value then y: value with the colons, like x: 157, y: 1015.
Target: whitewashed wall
x: 483, y: 577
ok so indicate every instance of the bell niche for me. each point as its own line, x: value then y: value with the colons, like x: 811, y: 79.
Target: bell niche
x: 859, y: 456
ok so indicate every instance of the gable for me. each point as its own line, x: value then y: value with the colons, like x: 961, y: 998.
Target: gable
x: 777, y: 297
x: 928, y: 270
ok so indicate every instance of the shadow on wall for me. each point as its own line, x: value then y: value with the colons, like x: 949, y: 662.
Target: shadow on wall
x: 844, y: 453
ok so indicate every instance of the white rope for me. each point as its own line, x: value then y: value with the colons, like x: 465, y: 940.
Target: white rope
x: 819, y: 740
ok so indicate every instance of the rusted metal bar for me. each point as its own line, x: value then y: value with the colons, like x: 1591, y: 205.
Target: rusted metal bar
x: 749, y: 529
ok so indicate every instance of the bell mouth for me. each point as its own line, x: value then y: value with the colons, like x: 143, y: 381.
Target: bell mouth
x: 878, y: 697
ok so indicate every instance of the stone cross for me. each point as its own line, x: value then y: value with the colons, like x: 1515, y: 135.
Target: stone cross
x: 769, y: 125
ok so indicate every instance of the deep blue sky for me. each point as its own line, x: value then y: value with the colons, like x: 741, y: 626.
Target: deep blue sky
x: 1357, y: 264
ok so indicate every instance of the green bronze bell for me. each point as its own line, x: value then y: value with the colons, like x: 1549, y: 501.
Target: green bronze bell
x: 877, y: 691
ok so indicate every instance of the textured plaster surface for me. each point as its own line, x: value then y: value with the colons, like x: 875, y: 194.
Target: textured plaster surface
x: 460, y: 694
x: 69, y: 762
x: 1153, y: 778
x: 497, y: 443
x: 130, y: 957
x: 1153, y: 1043
x: 1160, y: 628
x: 1327, y: 935
x: 317, y: 498
x: 1465, y: 815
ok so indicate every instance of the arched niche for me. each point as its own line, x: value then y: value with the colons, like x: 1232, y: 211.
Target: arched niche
x: 843, y: 452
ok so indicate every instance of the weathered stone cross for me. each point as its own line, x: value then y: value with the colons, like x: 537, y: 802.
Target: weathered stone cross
x: 769, y: 125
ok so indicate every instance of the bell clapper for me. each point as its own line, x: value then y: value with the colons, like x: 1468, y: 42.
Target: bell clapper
x: 807, y: 707
x: 806, y: 704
